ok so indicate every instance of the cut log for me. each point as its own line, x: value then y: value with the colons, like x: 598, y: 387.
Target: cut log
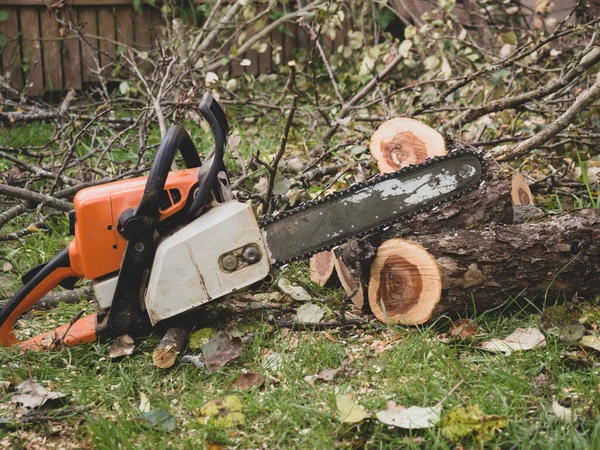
x: 321, y: 267
x: 506, y: 265
x: 405, y: 283
x: 349, y: 284
x: 170, y: 346
x: 520, y: 192
x: 402, y: 141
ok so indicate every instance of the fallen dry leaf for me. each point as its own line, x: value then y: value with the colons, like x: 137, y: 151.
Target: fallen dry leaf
x: 469, y: 420
x: 309, y: 313
x: 520, y: 339
x: 592, y: 342
x: 296, y: 292
x: 463, y: 329
x: 350, y: 411
x: 29, y: 394
x: 411, y: 418
x: 273, y: 362
x: 220, y: 350
x: 248, y: 381
x: 122, y: 346
x: 325, y: 375
x: 144, y: 403
x: 225, y: 412
x: 566, y: 415
x: 201, y: 337
x: 563, y: 321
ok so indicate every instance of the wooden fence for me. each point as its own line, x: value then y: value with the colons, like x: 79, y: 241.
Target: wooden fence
x: 42, y: 51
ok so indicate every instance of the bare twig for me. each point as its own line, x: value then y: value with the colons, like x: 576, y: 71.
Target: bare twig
x: 471, y: 114
x: 26, y: 194
x: 273, y: 166
x: 584, y: 99
x: 346, y: 108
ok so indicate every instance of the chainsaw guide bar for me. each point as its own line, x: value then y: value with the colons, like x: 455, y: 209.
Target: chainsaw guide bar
x: 371, y: 206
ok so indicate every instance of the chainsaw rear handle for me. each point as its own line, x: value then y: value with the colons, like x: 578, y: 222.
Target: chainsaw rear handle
x: 48, y: 278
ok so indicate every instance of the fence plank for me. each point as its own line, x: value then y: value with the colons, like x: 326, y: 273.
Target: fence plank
x: 264, y: 58
x: 106, y: 30
x: 89, y: 48
x: 289, y: 43
x: 158, y: 28
x: 71, y: 54
x: 11, y: 52
x: 143, y: 34
x: 125, y: 34
x: 51, y: 51
x: 276, y: 49
x: 31, y: 47
x: 143, y: 29
x: 251, y: 55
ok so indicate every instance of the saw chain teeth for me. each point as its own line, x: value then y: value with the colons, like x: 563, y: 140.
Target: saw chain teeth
x: 374, y: 180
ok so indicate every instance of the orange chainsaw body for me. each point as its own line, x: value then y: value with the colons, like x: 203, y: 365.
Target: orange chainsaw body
x: 116, y: 229
x: 97, y: 248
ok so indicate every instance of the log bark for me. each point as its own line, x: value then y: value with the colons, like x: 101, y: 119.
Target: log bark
x: 533, y: 262
x: 170, y: 346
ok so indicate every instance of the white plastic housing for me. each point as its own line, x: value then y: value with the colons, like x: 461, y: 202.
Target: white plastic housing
x: 105, y: 291
x: 187, y: 273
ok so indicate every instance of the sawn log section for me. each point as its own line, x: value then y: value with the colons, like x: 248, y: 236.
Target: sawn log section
x: 490, y: 267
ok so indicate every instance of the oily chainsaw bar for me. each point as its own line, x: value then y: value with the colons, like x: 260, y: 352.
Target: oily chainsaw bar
x: 371, y: 206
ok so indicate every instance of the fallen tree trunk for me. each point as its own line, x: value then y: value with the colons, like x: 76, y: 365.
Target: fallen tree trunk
x: 530, y: 262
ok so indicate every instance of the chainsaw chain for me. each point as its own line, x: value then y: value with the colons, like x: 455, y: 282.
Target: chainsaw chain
x: 377, y: 179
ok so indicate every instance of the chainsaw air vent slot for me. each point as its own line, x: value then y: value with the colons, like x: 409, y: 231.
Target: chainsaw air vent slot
x: 169, y: 198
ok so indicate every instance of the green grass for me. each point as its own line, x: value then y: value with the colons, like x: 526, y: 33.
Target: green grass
x: 408, y: 366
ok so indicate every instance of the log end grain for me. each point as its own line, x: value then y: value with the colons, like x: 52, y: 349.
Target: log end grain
x: 405, y: 283
x: 349, y: 284
x: 321, y: 267
x: 520, y: 192
x: 402, y: 141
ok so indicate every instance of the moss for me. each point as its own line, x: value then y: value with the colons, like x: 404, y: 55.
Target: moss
x: 563, y: 321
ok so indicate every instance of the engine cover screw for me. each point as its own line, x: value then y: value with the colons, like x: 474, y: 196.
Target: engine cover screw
x: 229, y: 263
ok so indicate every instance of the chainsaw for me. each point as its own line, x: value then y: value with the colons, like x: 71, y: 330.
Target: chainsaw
x: 160, y: 246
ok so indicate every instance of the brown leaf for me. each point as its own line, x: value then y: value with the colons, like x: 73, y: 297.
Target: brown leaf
x: 220, y: 350
x: 325, y: 375
x: 248, y: 381
x: 31, y: 395
x: 122, y: 346
x: 463, y: 329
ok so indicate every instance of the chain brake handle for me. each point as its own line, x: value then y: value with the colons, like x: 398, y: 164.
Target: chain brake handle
x: 207, y: 175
